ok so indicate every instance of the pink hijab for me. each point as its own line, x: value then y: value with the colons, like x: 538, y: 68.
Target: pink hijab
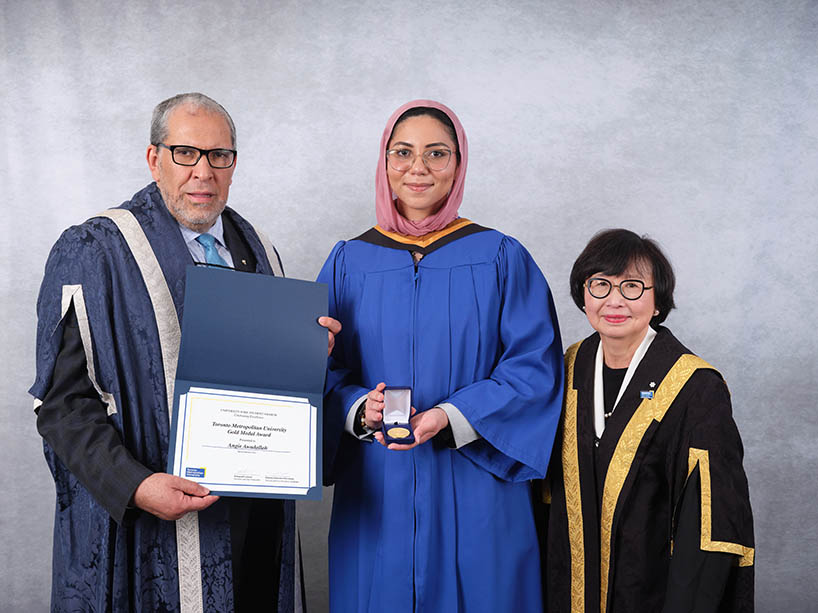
x: 389, y: 218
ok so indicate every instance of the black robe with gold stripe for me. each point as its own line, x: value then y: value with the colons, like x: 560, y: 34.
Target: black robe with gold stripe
x: 656, y: 516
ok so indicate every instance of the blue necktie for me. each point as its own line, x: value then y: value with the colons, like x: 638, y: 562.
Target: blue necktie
x: 211, y: 253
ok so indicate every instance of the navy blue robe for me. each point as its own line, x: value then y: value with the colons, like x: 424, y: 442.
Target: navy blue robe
x: 474, y: 325
x: 99, y: 564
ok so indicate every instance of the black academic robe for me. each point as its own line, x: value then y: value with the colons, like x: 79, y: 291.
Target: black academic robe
x: 655, y: 515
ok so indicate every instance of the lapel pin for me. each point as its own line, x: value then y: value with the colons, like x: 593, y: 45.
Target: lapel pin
x: 652, y: 384
x: 244, y: 262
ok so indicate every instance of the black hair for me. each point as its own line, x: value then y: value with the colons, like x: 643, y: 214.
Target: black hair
x: 612, y: 252
x: 420, y: 111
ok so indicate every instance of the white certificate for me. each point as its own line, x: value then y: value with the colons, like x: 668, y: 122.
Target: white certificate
x: 242, y: 443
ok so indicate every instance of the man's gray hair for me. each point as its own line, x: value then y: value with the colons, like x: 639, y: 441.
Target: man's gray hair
x: 161, y: 114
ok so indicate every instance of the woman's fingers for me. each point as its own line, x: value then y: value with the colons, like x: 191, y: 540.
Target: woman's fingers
x: 377, y: 393
x: 373, y: 409
x: 379, y: 438
x: 373, y: 418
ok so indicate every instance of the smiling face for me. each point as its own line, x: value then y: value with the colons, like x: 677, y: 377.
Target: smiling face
x: 420, y: 191
x: 195, y: 195
x: 618, y: 320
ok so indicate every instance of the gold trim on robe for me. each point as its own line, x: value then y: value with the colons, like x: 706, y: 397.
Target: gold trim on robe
x: 426, y: 239
x: 573, y: 498
x: 701, y: 457
x: 648, y: 411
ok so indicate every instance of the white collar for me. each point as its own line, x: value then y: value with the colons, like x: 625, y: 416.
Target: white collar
x: 599, y: 393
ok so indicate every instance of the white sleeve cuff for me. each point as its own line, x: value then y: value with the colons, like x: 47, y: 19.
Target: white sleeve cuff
x: 349, y: 424
x: 462, y: 431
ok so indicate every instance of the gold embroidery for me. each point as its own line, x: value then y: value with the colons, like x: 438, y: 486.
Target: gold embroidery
x: 573, y: 499
x: 426, y: 239
x: 702, y: 458
x: 648, y: 411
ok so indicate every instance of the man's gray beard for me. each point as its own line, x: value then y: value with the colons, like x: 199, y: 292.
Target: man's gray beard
x: 176, y: 207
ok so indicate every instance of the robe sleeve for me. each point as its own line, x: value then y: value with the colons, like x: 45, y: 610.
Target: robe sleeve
x: 76, y: 261
x: 73, y: 420
x: 342, y: 392
x: 712, y: 564
x: 72, y: 416
x: 516, y: 410
x: 697, y: 578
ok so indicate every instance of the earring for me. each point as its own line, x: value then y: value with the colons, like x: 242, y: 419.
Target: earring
x: 656, y: 312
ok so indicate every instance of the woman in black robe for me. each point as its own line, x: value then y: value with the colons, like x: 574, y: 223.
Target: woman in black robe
x: 646, y: 505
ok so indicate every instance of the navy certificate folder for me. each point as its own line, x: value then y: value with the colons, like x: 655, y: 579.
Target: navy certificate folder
x: 257, y: 333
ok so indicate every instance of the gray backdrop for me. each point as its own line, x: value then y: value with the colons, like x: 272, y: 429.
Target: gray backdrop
x: 694, y: 122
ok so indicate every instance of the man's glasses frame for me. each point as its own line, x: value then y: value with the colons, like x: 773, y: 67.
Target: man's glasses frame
x: 212, y: 155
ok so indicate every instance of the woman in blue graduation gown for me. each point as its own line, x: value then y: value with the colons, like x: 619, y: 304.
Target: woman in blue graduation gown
x: 462, y: 315
x: 647, y: 507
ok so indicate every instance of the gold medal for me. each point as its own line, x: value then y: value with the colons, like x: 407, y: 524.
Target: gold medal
x: 398, y: 432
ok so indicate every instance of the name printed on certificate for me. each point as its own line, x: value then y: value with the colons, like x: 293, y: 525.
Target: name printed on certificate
x: 238, y: 443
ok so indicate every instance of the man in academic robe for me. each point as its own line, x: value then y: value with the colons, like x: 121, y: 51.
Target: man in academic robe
x: 128, y: 536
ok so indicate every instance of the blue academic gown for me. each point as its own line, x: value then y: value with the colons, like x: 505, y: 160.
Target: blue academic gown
x: 99, y: 564
x: 474, y: 325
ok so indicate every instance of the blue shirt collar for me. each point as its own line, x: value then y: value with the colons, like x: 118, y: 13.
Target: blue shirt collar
x: 217, y: 230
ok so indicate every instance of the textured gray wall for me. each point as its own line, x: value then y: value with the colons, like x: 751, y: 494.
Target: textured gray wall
x: 695, y: 122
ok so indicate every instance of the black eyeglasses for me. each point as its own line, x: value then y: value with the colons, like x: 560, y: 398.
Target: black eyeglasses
x: 631, y: 289
x: 187, y: 155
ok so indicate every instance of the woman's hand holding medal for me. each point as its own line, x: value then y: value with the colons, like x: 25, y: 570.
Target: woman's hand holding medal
x: 425, y: 425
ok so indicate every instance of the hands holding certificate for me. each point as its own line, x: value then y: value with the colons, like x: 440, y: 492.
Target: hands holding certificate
x: 425, y: 425
x: 248, y: 390
x: 170, y: 497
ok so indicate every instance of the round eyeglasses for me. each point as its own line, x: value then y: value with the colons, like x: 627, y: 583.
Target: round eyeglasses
x: 631, y: 289
x: 402, y: 159
x: 187, y: 155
